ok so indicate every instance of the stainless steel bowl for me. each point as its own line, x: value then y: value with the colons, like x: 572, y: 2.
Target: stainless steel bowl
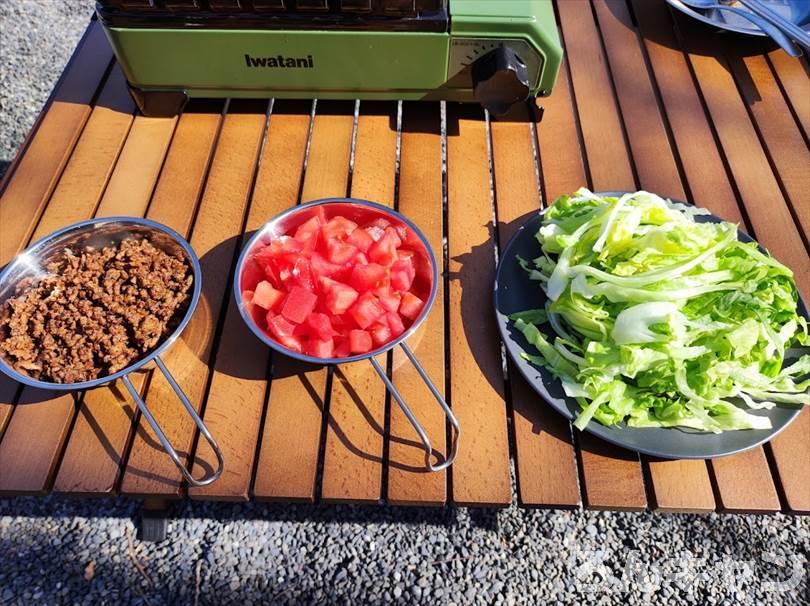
x: 359, y: 211
x: 98, y: 233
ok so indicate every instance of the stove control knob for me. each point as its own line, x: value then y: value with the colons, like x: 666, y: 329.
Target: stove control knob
x: 500, y: 79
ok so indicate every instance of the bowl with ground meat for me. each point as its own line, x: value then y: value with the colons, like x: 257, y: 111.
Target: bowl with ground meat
x: 95, y: 301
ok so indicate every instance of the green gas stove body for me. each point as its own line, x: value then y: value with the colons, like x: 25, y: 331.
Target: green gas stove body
x: 494, y: 52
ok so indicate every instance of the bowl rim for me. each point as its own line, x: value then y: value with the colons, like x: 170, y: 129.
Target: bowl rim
x: 248, y: 247
x: 167, y: 342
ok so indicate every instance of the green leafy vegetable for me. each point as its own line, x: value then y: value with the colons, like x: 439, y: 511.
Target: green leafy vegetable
x: 658, y: 320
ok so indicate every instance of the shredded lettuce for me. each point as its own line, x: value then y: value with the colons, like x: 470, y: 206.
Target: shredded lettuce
x: 654, y: 319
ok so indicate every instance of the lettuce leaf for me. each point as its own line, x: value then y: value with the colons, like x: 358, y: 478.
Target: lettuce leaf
x: 656, y: 319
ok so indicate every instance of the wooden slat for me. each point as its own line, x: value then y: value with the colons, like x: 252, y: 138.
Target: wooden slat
x: 691, y: 129
x: 649, y: 145
x: 240, y: 378
x: 772, y: 222
x: 84, y: 179
x: 288, y: 458
x: 744, y: 483
x: 678, y: 485
x: 94, y: 454
x: 791, y: 451
x: 612, y: 478
x: 481, y: 473
x: 136, y: 172
x: 544, y: 453
x: 781, y: 135
x: 31, y: 181
x: 8, y: 393
x: 562, y: 168
x: 608, y: 156
x: 420, y: 198
x: 49, y: 414
x: 710, y: 184
x: 352, y: 467
x: 794, y: 76
x: 214, y: 238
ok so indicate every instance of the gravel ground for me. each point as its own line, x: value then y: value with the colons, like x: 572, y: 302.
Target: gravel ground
x: 59, y: 551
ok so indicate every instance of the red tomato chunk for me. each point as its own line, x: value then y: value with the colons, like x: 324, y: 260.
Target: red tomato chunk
x: 331, y: 288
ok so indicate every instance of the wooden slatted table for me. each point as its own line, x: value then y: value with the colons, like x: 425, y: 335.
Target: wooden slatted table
x: 645, y: 100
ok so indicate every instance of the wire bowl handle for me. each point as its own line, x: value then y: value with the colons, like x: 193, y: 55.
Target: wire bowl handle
x: 429, y: 451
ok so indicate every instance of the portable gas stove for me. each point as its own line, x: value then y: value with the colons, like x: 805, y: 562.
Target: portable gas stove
x: 496, y: 52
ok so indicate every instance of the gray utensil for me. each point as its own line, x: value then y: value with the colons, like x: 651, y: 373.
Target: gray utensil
x: 772, y: 30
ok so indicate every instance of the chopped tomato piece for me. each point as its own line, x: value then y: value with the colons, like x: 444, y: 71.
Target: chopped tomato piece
x: 361, y: 239
x: 390, y: 301
x: 307, y: 232
x: 375, y: 232
x: 280, y: 326
x: 338, y: 227
x: 252, y: 274
x: 342, y: 349
x: 394, y: 235
x: 411, y: 306
x: 383, y: 251
x: 395, y: 323
x: 380, y: 334
x: 339, y: 296
x: 366, y: 310
x: 368, y: 277
x: 360, y: 341
x: 321, y: 267
x: 320, y: 348
x: 339, y: 252
x: 267, y: 297
x: 299, y: 304
x: 402, y: 275
x: 302, y: 274
x: 321, y: 326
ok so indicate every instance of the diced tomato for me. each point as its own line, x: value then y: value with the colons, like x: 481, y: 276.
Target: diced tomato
x: 367, y: 277
x: 307, y: 232
x: 375, y: 232
x: 411, y: 306
x: 366, y: 310
x: 320, y: 348
x: 380, y: 222
x: 280, y: 326
x: 402, y: 274
x: 342, y: 349
x: 392, y: 233
x: 339, y: 252
x: 338, y: 227
x: 267, y: 297
x: 299, y: 304
x: 252, y: 274
x: 285, y: 244
x: 361, y: 239
x: 390, y: 301
x: 321, y: 267
x: 321, y: 326
x: 339, y: 296
x: 395, y: 323
x: 302, y: 274
x: 291, y: 343
x: 383, y: 251
x: 380, y: 334
x: 360, y: 341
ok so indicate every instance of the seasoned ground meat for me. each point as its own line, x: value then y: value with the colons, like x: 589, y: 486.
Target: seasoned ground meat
x: 96, y: 312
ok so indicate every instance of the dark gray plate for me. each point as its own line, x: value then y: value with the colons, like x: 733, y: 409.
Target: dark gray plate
x: 515, y: 292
